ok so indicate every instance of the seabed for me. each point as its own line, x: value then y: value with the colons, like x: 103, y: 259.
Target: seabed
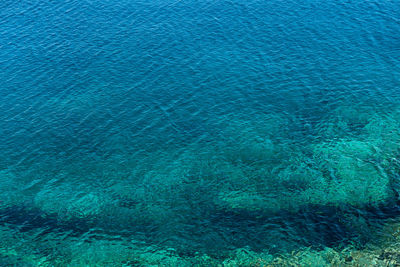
x: 254, y: 196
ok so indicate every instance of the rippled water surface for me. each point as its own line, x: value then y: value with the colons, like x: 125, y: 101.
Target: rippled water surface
x: 208, y: 133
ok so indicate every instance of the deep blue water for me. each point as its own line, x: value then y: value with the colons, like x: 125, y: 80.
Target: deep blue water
x: 196, y: 127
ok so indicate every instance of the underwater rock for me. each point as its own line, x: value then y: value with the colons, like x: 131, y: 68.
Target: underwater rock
x: 337, y: 173
x: 69, y: 201
x: 344, y: 121
x: 352, y: 170
x: 250, y: 201
x: 246, y: 257
x: 190, y: 188
x: 288, y: 184
x: 384, y: 133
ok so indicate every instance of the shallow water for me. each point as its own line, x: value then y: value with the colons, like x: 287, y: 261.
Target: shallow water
x: 152, y: 132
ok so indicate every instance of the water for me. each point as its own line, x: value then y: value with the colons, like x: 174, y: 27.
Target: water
x: 187, y: 132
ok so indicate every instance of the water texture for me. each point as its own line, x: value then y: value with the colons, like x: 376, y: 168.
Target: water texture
x: 199, y: 133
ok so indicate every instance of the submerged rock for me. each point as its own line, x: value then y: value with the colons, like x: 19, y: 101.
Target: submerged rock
x: 353, y: 171
x: 337, y: 174
x: 69, y: 201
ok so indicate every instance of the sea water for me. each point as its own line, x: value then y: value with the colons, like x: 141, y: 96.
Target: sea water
x: 208, y: 133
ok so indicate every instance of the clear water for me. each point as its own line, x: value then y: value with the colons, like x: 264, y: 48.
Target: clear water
x: 186, y: 132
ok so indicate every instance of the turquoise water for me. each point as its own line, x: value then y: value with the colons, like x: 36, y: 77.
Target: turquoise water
x: 181, y: 133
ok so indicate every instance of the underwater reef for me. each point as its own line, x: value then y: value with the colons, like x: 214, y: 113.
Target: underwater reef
x: 199, y: 133
x: 254, y: 196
